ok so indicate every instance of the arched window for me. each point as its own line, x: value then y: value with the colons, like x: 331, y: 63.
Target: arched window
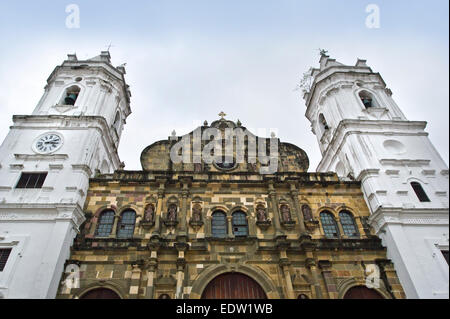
x: 329, y: 225
x: 71, y: 95
x: 219, y: 224
x: 240, y: 226
x: 116, y: 124
x: 100, y: 293
x: 302, y: 296
x: 348, y: 224
x: 323, y: 123
x: 368, y: 99
x: 125, y: 227
x: 418, y: 189
x: 164, y: 296
x: 105, y: 224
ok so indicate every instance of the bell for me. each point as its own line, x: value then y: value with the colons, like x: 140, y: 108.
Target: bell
x: 367, y: 102
x: 70, y: 99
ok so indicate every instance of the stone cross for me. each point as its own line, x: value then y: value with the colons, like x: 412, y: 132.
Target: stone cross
x: 222, y: 115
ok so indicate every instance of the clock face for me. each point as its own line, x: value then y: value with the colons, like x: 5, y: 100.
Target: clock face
x: 48, y: 143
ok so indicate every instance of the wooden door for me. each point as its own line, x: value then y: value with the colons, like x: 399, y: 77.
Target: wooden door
x: 233, y: 286
x: 100, y: 293
x: 361, y: 292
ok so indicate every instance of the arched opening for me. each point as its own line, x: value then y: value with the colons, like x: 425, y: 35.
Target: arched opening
x: 348, y: 224
x: 240, y: 226
x: 233, y: 286
x: 125, y: 227
x: 100, y: 293
x: 362, y: 292
x: 329, y: 225
x: 367, y: 99
x: 71, y: 95
x: 219, y: 224
x: 420, y: 192
x: 105, y: 224
x: 323, y: 123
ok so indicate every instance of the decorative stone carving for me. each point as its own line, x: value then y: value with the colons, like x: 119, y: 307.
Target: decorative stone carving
x: 196, y: 220
x: 171, y: 220
x: 286, y: 218
x: 310, y: 223
x: 149, y: 217
x: 261, y: 217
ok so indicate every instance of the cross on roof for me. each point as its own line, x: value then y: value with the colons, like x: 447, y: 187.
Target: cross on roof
x: 222, y: 115
x: 109, y: 46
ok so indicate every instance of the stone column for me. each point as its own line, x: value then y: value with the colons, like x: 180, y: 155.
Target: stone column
x: 294, y: 194
x: 135, y: 281
x: 183, y: 212
x: 181, y: 263
x: 230, y: 226
x: 284, y: 264
x: 339, y: 225
x: 151, y: 265
x: 161, y: 193
x: 114, y: 228
x: 276, y: 213
x: 311, y: 265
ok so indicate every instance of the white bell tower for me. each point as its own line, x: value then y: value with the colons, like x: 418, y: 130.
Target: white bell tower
x: 363, y: 135
x: 46, y: 161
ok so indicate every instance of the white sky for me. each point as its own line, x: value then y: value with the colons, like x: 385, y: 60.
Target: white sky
x: 183, y: 73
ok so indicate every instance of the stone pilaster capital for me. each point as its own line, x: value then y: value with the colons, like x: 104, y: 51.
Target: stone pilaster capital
x: 325, y: 265
x: 284, y: 262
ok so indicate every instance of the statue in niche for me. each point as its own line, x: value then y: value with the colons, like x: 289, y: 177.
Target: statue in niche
x: 307, y: 213
x: 196, y: 213
x: 149, y: 214
x: 261, y: 213
x: 285, y: 213
x: 172, y: 212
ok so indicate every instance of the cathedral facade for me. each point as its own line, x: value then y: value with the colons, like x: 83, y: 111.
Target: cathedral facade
x: 201, y: 221
x: 201, y: 230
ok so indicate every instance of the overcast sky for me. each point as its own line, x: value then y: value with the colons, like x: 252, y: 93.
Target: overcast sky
x: 189, y: 60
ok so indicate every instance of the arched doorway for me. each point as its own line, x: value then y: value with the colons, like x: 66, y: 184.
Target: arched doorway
x: 100, y: 293
x: 233, y: 286
x: 361, y: 292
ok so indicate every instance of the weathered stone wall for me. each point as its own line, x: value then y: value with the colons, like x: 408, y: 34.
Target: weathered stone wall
x: 179, y: 259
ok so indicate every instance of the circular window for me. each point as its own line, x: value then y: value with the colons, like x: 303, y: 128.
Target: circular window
x: 394, y: 147
x: 78, y: 79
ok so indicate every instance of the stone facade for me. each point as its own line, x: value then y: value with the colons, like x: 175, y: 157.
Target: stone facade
x: 173, y: 250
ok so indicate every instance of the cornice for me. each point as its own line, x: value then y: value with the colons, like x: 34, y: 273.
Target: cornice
x: 385, y: 216
x: 352, y: 126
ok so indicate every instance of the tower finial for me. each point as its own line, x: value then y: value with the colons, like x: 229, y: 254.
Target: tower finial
x: 323, y: 52
x: 222, y: 115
